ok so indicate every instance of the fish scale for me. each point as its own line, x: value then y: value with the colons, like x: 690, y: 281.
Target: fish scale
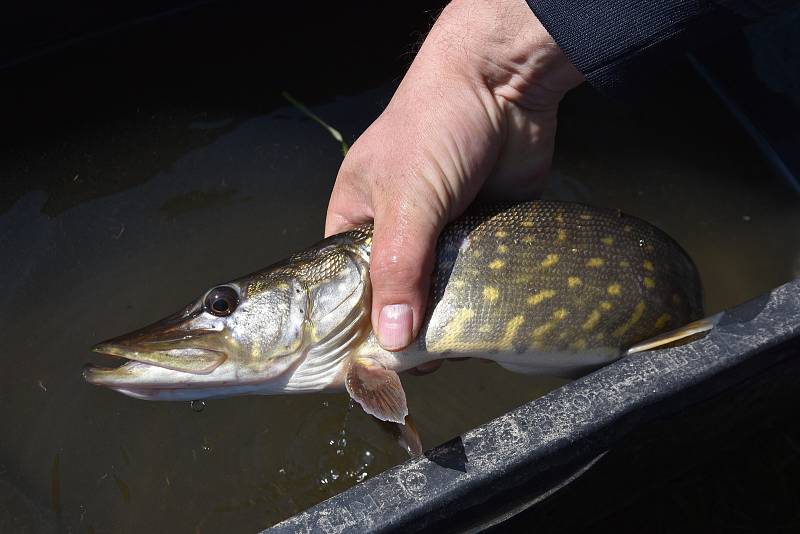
x: 559, y: 277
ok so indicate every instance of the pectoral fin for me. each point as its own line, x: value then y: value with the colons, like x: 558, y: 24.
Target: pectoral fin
x: 684, y: 334
x: 378, y: 390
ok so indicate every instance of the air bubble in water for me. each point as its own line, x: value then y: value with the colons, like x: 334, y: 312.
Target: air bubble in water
x: 197, y: 405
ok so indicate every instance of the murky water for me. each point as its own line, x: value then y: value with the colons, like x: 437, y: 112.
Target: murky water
x: 138, y: 218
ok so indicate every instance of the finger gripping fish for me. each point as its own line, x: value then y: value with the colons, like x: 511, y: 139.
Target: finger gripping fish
x: 541, y: 287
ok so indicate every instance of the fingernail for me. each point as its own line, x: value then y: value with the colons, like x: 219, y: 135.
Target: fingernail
x: 394, y: 326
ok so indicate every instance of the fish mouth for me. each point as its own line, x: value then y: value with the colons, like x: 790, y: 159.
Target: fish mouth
x: 153, y: 369
x: 178, y: 352
x: 194, y: 360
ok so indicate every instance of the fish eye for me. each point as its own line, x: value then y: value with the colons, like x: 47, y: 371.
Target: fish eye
x: 221, y: 301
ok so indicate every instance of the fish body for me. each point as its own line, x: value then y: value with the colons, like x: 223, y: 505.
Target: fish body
x: 539, y: 287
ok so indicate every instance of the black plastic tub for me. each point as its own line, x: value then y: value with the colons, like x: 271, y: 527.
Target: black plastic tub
x: 505, y: 472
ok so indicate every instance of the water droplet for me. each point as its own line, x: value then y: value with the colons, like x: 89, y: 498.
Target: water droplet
x: 325, y: 404
x: 282, y: 471
x: 197, y: 405
x: 642, y: 243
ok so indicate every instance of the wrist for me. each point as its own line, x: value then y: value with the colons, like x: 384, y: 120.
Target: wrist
x: 501, y: 45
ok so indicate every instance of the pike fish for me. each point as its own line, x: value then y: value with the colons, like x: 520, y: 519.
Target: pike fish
x: 542, y: 287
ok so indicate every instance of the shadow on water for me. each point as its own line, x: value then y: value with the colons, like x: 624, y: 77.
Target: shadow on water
x: 121, y: 205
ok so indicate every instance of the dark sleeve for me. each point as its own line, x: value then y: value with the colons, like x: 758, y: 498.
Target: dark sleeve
x: 608, y: 39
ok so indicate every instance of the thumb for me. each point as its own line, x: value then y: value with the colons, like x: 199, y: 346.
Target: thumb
x: 401, y: 263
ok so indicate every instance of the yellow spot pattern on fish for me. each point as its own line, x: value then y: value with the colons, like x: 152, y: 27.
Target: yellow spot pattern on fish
x: 490, y: 293
x: 550, y: 260
x: 501, y: 234
x: 574, y: 281
x: 649, y: 265
x: 558, y: 315
x: 527, y: 224
x: 528, y: 240
x: 511, y: 331
x: 497, y: 264
x: 458, y: 283
x: 541, y: 296
x: 662, y: 320
x: 585, y: 216
x: 562, y: 235
x: 453, y: 331
x: 592, y: 320
x: 605, y: 305
x: 624, y: 263
x: 539, y: 331
x: 635, y: 316
x: 595, y: 262
x: 649, y: 283
x: 615, y: 289
x: 607, y: 240
x: 502, y: 249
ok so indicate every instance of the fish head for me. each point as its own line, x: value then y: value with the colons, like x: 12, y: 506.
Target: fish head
x: 246, y: 336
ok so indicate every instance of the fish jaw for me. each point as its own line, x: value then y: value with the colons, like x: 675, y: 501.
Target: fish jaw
x: 149, y: 382
x: 145, y: 381
x: 191, y: 341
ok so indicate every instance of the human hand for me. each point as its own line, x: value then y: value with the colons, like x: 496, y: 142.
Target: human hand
x: 475, y: 112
